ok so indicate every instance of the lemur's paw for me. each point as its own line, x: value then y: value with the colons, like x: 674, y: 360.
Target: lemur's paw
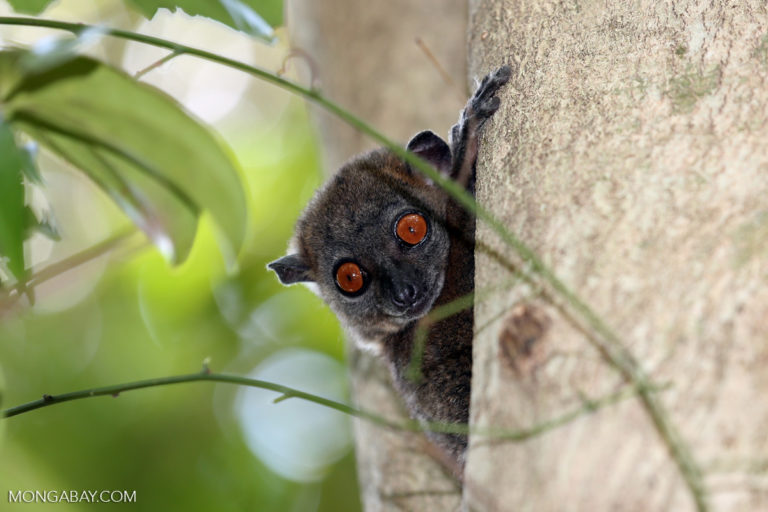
x: 484, y: 102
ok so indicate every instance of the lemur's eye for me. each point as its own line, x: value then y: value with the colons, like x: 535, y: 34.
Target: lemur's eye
x: 411, y: 228
x: 349, y: 277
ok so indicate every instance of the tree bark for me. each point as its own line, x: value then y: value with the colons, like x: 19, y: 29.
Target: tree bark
x: 365, y: 56
x: 629, y: 153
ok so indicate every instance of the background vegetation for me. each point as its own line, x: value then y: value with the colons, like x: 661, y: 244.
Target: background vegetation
x: 128, y: 314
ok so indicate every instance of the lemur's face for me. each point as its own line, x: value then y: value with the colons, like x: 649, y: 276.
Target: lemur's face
x: 374, y: 243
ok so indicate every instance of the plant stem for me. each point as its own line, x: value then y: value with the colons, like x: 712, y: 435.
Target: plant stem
x: 71, y: 262
x: 285, y: 393
x: 114, y: 390
x: 156, y: 64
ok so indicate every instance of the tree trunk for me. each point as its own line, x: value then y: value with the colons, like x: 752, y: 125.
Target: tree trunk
x: 630, y: 154
x: 365, y: 57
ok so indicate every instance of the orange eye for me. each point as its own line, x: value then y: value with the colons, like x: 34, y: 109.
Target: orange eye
x: 349, y: 277
x: 411, y: 228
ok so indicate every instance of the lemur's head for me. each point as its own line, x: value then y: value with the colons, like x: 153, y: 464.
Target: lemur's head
x: 373, y: 240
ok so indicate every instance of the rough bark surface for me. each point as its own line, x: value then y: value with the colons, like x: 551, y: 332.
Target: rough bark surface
x: 366, y: 58
x: 630, y: 154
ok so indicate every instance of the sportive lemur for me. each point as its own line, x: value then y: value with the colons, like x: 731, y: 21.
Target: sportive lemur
x: 384, y: 246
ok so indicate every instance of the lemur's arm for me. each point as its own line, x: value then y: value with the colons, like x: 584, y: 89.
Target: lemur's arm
x: 457, y: 159
x: 464, y: 134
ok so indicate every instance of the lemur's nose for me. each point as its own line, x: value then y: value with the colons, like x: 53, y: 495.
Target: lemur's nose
x: 406, y: 295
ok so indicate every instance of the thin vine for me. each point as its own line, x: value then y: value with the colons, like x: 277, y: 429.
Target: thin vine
x: 588, y: 406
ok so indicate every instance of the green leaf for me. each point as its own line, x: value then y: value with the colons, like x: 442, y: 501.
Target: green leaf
x: 29, y: 6
x: 10, y: 73
x: 158, y: 164
x: 11, y: 203
x: 169, y: 221
x: 254, y: 17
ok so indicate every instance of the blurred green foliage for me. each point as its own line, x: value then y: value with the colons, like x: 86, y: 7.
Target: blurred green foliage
x: 157, y: 163
x: 179, y: 447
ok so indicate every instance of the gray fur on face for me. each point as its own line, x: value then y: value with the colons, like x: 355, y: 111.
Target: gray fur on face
x: 352, y: 218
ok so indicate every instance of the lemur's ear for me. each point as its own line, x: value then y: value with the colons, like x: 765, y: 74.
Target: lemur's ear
x: 433, y: 149
x: 291, y: 269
